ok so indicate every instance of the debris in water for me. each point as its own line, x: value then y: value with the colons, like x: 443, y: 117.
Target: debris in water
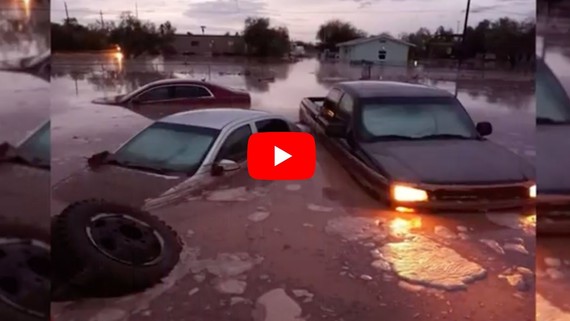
x: 146, y: 313
x: 276, y: 305
x: 382, y: 265
x: 189, y: 233
x: 369, y: 244
x: 546, y: 311
x: 199, y: 277
x: 236, y: 194
x: 510, y: 220
x: 308, y: 225
x: 226, y: 264
x: 264, y: 277
x: 462, y: 229
x: 493, y: 245
x: 237, y: 299
x: 515, y: 247
x: 517, y: 280
x: 554, y: 273
x: 463, y: 236
x: 444, y: 232
x: 410, y: 287
x: 525, y: 271
x: 553, y: 262
x: 301, y: 293
x: 353, y: 228
x: 193, y: 291
x: 319, y: 208
x: 258, y: 216
x: 426, y: 262
x: 293, y: 187
x: 366, y: 277
x: 230, y: 286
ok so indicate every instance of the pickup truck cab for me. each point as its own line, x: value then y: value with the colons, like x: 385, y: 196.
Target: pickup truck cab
x: 553, y: 147
x: 416, y: 147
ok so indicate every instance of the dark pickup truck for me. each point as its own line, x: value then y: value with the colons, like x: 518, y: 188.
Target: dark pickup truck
x: 553, y: 148
x: 416, y: 148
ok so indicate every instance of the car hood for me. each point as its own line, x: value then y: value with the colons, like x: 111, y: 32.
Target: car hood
x: 449, y: 162
x: 553, y: 148
x: 115, y: 184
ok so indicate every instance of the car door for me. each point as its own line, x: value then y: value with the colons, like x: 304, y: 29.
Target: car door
x: 193, y: 96
x: 154, y: 102
x: 234, y: 147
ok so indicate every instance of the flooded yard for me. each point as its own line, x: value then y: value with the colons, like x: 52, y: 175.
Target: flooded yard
x: 318, y: 249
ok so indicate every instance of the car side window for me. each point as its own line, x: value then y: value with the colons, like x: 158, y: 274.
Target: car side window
x: 191, y: 92
x: 160, y: 93
x: 332, y: 99
x: 235, y: 146
x: 346, y: 104
x: 272, y: 125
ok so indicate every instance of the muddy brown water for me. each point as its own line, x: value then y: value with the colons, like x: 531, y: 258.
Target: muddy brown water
x: 288, y: 223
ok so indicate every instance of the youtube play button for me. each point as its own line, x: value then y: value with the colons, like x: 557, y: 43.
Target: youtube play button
x: 281, y: 156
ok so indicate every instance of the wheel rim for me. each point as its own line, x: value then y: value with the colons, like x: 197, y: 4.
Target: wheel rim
x: 125, y: 239
x: 25, y: 276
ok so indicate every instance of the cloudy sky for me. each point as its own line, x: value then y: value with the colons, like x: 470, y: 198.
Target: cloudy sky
x: 301, y: 17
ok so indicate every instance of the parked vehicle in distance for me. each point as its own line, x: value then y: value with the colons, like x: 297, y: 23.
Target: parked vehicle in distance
x: 553, y: 146
x: 416, y: 148
x: 179, y: 153
x: 169, y: 96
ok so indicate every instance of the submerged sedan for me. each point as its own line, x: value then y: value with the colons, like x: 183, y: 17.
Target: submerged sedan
x: 169, y: 96
x: 416, y: 147
x: 174, y: 156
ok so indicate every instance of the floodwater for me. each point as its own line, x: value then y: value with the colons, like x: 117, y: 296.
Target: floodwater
x: 318, y: 249
x: 553, y: 254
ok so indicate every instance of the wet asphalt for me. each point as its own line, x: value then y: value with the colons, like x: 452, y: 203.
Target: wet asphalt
x: 301, y: 235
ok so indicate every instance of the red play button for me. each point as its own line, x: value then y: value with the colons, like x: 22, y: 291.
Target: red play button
x: 281, y: 156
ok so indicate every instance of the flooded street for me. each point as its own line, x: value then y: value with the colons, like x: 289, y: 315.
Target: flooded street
x: 319, y: 249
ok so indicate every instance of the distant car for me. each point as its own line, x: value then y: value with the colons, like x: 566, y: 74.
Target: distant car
x: 180, y: 152
x: 416, y: 148
x: 553, y: 148
x: 169, y: 96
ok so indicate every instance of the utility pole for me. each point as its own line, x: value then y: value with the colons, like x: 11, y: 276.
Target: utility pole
x: 102, y: 21
x: 203, y: 28
x: 136, y: 10
x: 66, y: 12
x: 465, y: 22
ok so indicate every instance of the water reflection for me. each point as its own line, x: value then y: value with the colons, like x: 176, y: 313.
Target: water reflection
x: 24, y: 30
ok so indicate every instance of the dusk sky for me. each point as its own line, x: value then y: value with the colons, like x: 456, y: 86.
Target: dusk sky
x: 301, y: 17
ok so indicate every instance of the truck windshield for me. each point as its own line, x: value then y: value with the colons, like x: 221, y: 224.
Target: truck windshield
x: 416, y: 118
x: 552, y: 101
x: 167, y: 147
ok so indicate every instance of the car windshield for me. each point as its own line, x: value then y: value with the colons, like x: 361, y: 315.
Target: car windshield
x: 36, y: 149
x: 553, y: 103
x: 416, y: 118
x: 167, y: 147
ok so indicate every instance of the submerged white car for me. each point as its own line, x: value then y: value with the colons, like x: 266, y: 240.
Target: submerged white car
x: 177, y: 153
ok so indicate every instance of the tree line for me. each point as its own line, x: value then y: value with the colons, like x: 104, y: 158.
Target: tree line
x: 504, y: 38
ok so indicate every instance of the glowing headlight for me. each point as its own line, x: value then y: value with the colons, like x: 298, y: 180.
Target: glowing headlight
x: 532, y: 191
x: 408, y: 194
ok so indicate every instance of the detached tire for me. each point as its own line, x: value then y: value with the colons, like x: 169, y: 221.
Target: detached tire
x: 24, y: 273
x: 102, y: 246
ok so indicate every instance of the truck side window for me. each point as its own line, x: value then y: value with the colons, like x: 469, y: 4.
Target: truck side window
x: 346, y: 104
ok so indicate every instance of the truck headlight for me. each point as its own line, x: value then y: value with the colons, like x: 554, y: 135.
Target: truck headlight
x: 403, y: 193
x: 532, y: 191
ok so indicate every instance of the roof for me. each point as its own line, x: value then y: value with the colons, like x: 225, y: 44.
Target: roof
x: 375, y: 88
x: 216, y: 118
x: 368, y: 39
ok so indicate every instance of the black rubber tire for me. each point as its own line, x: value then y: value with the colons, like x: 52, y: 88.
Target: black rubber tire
x: 85, y: 266
x: 19, y: 230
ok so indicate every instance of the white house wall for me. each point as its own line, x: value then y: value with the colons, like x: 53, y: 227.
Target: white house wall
x: 396, y: 53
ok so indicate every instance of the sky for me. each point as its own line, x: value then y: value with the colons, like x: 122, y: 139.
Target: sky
x: 301, y: 17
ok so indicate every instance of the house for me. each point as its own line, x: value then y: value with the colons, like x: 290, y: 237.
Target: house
x: 379, y: 49
x: 208, y: 45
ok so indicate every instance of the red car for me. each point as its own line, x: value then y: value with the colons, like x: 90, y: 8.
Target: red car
x: 169, y: 96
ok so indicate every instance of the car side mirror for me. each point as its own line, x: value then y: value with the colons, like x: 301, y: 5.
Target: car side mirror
x: 225, y: 165
x: 484, y: 128
x: 335, y: 130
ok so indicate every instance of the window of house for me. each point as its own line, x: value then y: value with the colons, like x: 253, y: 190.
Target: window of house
x: 382, y: 54
x: 272, y: 125
x: 194, y: 43
x: 230, y: 43
x: 235, y: 146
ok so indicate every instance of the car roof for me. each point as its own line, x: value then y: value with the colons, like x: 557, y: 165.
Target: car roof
x: 376, y: 88
x: 216, y: 118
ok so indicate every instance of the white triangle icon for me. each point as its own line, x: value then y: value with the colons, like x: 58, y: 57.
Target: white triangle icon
x: 279, y: 156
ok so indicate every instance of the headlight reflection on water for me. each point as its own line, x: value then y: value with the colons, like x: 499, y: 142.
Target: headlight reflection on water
x: 401, y: 226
